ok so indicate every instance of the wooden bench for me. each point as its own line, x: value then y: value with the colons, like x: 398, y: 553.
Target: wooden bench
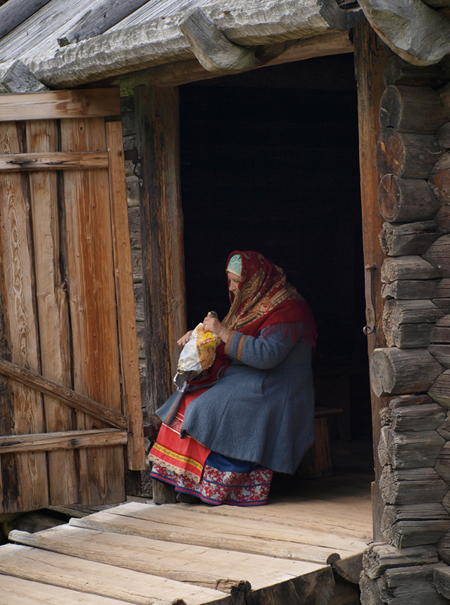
x: 317, y: 461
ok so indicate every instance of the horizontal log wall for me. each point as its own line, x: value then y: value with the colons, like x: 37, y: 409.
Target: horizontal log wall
x: 413, y: 162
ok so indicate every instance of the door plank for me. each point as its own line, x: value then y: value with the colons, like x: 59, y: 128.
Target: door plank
x: 68, y: 440
x: 156, y: 115
x: 51, y: 160
x: 16, y: 591
x: 52, y: 307
x: 63, y: 394
x: 92, y: 305
x: 129, y: 356
x: 198, y: 565
x: 56, y: 104
x: 24, y: 475
x: 97, y: 578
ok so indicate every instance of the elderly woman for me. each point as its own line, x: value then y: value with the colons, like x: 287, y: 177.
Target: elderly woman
x: 253, y: 413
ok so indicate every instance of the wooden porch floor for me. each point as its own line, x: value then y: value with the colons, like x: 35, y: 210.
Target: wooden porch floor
x: 179, y: 554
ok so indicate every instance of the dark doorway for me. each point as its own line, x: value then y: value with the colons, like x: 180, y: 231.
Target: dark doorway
x: 269, y: 162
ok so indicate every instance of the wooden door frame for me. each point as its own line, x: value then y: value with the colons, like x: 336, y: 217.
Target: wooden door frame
x: 370, y: 60
x: 150, y: 120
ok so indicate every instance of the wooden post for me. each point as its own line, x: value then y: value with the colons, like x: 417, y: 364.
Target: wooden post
x: 162, y: 243
x: 369, y: 66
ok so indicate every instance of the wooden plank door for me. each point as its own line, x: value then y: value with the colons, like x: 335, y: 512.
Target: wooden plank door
x: 67, y: 315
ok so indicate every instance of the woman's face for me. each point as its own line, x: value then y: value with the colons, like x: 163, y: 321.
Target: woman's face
x: 234, y: 284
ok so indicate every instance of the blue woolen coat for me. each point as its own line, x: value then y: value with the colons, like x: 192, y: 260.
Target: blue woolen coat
x: 262, y: 409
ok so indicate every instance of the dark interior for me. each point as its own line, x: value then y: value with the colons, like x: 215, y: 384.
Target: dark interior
x: 269, y: 162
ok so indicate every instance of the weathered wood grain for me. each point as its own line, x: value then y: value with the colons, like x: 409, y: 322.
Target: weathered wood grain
x: 412, y: 486
x: 52, y: 160
x: 425, y: 417
x: 129, y: 356
x: 414, y: 524
x: 68, y: 440
x: 162, y: 243
x: 442, y: 219
x: 62, y: 394
x: 441, y: 331
x: 24, y: 475
x: 440, y: 391
x: 443, y: 547
x: 99, y: 19
x: 442, y: 466
x: 370, y: 61
x: 408, y: 323
x: 441, y: 353
x: 412, y: 109
x: 438, y: 255
x: 414, y: 31
x: 15, y: 12
x: 413, y: 584
x: 441, y: 578
x: 409, y: 289
x: 98, y: 578
x: 146, y: 43
x: 182, y: 72
x: 408, y: 401
x: 198, y: 565
x: 395, y: 371
x: 442, y: 289
x: 17, y: 591
x: 52, y: 307
x: 408, y: 239
x: 93, y: 315
x: 439, y: 179
x: 91, y: 103
x: 379, y: 557
x: 409, y: 449
x: 409, y: 156
x: 399, y: 71
x: 18, y: 79
x: 370, y: 594
x: 190, y: 526
x: 407, y: 267
x: 444, y: 428
x: 406, y: 200
x: 213, y: 49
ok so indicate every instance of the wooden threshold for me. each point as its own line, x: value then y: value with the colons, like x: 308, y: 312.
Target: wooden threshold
x: 140, y: 552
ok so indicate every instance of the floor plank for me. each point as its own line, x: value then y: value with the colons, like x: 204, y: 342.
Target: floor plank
x: 198, y: 525
x: 212, y: 568
x: 242, y: 538
x: 16, y: 591
x: 97, y: 578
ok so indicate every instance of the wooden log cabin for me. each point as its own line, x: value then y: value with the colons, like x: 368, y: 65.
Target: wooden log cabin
x: 142, y: 141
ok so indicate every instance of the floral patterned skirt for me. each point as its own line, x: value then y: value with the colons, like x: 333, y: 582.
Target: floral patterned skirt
x: 224, y: 481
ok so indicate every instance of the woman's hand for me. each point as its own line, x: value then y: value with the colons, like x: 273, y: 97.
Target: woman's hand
x: 184, y: 339
x: 212, y: 324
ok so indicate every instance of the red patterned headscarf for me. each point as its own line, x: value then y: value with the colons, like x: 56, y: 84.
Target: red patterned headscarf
x: 264, y: 298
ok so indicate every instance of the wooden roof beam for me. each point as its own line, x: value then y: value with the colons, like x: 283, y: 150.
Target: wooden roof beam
x: 99, y: 20
x: 413, y: 30
x: 183, y: 72
x: 213, y: 49
x: 161, y: 41
x: 15, y: 12
x: 217, y: 54
x: 18, y: 79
